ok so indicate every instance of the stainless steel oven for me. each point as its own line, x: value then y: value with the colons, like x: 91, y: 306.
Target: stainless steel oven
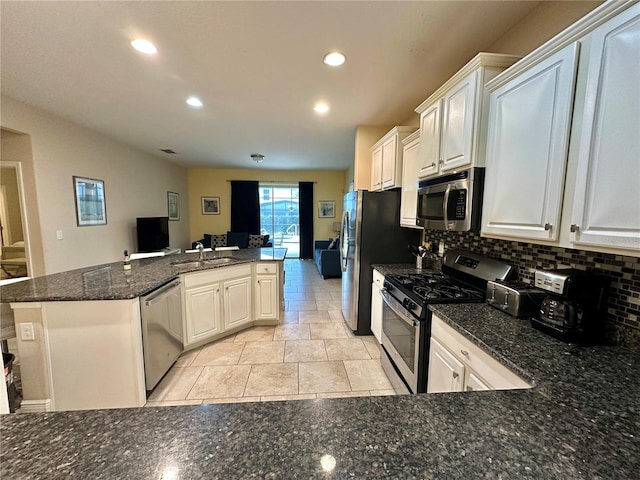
x: 452, y: 201
x: 403, y: 341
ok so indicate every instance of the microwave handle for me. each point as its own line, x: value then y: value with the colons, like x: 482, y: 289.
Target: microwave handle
x: 445, y: 206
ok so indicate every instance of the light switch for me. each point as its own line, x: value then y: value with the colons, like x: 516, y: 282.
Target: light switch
x: 26, y: 332
x: 59, y: 234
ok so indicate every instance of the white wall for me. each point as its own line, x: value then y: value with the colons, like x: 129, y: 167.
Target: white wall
x: 136, y: 185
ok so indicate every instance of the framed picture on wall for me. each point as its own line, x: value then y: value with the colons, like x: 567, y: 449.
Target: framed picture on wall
x: 91, y: 208
x: 211, y: 205
x: 173, y: 205
x: 326, y: 209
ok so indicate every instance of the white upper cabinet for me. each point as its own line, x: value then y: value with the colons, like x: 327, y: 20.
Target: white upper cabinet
x: 606, y: 206
x: 410, y: 170
x: 457, y: 123
x: 527, y: 146
x: 386, y: 159
x: 453, y: 119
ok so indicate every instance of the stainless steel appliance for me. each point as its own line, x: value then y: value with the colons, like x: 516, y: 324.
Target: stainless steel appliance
x: 406, y: 319
x: 452, y: 201
x: 161, y: 312
x: 575, y: 307
x: 370, y: 233
x: 518, y: 299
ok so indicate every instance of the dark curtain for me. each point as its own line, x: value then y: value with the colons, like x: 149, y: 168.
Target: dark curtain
x: 245, y: 207
x: 306, y: 219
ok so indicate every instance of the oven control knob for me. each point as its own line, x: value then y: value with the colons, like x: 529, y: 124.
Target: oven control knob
x: 388, y: 286
x: 408, y: 304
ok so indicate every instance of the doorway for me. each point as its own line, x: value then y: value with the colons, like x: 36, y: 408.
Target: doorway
x: 13, y: 253
x: 280, y: 216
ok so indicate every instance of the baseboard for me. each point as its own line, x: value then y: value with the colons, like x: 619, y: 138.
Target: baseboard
x: 35, y: 406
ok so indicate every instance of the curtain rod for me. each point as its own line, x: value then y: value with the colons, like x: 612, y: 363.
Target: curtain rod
x: 266, y: 181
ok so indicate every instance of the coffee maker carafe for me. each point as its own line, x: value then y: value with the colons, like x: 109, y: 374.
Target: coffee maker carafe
x: 575, y: 309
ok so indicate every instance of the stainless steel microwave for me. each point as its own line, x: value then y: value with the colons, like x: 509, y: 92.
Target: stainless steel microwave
x: 451, y: 202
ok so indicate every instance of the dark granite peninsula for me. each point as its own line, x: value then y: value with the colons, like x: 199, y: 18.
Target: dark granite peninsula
x: 579, y: 421
x: 86, y: 346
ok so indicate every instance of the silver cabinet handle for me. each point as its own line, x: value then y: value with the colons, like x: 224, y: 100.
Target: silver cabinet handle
x: 574, y: 228
x: 547, y: 226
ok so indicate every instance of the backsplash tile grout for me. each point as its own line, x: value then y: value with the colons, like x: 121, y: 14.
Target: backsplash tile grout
x: 623, y: 319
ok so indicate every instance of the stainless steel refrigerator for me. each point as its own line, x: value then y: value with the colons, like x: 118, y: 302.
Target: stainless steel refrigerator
x: 370, y: 233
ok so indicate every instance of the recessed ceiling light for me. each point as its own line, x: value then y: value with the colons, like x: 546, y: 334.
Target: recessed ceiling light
x: 321, y: 108
x: 334, y: 59
x: 194, y: 102
x: 144, y: 46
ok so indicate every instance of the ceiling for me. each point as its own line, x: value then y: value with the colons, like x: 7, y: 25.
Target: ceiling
x: 257, y: 66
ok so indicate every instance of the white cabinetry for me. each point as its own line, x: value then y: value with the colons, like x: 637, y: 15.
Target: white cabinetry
x: 456, y: 364
x: 216, y: 301
x: 606, y: 206
x: 453, y: 119
x: 596, y: 204
x: 376, y: 305
x: 527, y: 146
x: 386, y: 159
x: 266, y: 291
x: 410, y: 172
x: 237, y: 302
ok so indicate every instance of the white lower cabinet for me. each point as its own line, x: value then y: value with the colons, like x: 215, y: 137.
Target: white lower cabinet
x: 203, y: 312
x: 456, y: 364
x: 376, y: 305
x: 266, y: 304
x: 237, y: 302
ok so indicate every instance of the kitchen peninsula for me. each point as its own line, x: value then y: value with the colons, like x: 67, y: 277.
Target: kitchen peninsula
x: 579, y: 421
x: 80, y: 332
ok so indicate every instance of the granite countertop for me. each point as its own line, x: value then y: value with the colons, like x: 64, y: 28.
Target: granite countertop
x: 430, y: 265
x: 579, y: 421
x: 112, y: 282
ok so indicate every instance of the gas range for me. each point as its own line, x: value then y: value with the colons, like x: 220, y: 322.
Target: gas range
x: 417, y: 290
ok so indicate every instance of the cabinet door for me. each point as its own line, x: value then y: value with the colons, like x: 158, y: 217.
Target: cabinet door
x: 202, y: 308
x: 474, y: 384
x: 389, y: 162
x: 266, y: 296
x: 457, y: 123
x: 237, y: 302
x: 376, y: 311
x: 429, y: 152
x: 446, y: 372
x: 376, y: 169
x: 606, y: 208
x: 528, y: 138
x: 409, y: 194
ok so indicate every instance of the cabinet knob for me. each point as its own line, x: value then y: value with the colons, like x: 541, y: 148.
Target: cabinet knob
x: 464, y: 352
x: 433, y: 165
x: 455, y: 375
x: 574, y: 228
x: 547, y: 226
x: 441, y: 162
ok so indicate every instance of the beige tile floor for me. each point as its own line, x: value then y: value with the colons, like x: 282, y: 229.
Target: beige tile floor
x: 312, y: 354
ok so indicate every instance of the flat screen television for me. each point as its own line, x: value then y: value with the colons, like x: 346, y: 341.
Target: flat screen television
x: 153, y: 233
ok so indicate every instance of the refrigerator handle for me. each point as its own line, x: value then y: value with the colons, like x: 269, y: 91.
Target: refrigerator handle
x: 344, y: 241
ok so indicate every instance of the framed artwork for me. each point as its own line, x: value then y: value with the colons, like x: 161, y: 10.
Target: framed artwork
x: 173, y: 205
x: 211, y: 205
x: 326, y: 209
x: 91, y: 208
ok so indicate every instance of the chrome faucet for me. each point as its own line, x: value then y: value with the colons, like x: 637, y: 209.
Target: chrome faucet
x: 200, y: 248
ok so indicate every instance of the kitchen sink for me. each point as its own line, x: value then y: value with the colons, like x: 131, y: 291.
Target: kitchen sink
x: 204, y: 263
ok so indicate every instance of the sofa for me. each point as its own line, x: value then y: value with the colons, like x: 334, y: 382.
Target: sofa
x: 327, y: 259
x: 229, y: 239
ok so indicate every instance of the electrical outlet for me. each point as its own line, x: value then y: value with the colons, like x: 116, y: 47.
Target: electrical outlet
x: 441, y: 248
x: 59, y: 234
x: 26, y: 332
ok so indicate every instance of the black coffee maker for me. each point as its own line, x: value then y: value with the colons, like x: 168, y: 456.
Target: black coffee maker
x: 575, y: 309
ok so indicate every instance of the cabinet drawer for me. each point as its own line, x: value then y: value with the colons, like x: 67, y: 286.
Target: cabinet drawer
x: 263, y: 267
x: 214, y: 275
x: 497, y: 375
x: 378, y: 278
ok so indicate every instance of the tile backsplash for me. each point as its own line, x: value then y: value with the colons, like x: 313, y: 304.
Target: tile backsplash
x: 623, y: 319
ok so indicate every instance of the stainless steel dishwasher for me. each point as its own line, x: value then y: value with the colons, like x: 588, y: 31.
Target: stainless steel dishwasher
x: 161, y: 312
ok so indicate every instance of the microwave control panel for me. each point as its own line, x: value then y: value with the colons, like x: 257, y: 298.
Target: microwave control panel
x: 458, y: 204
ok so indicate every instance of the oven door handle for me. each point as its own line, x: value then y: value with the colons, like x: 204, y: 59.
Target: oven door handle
x: 397, y: 308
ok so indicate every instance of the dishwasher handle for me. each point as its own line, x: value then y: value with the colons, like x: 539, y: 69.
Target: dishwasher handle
x: 157, y: 294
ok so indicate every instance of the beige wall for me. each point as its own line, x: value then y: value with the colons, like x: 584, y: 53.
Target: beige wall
x: 208, y: 182
x: 136, y: 185
x: 9, y: 182
x: 366, y: 137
